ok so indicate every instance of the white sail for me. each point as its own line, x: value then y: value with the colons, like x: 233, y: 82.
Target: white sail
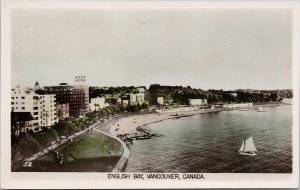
x: 249, y: 145
x: 242, y: 147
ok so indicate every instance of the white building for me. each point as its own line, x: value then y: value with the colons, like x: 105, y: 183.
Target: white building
x: 135, y: 99
x: 49, y: 111
x: 42, y: 107
x: 140, y: 98
x: 132, y: 99
x: 97, y: 103
x: 160, y: 100
x: 125, y: 102
x: 196, y: 102
x: 234, y: 94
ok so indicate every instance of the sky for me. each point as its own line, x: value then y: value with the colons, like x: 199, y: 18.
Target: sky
x: 202, y: 48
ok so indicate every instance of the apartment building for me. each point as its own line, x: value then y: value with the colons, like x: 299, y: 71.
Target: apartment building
x: 42, y: 107
x: 77, y: 96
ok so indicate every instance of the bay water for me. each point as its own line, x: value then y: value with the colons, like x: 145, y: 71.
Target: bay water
x: 209, y: 143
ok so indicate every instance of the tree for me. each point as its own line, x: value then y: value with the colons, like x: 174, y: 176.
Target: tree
x: 61, y: 128
x: 145, y: 105
x: 28, y: 145
x: 46, y: 136
x: 107, y: 111
x: 133, y: 108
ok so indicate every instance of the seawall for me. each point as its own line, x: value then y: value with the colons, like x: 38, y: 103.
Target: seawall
x: 120, y: 166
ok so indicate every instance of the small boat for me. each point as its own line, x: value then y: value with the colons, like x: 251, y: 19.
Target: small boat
x: 261, y: 109
x: 248, y: 147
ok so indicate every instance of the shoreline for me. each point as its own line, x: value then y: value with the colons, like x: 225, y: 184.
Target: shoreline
x: 135, y: 122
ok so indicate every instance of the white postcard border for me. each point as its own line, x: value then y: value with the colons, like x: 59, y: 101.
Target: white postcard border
x: 29, y: 180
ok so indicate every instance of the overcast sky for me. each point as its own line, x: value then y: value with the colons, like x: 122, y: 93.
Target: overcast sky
x: 220, y: 49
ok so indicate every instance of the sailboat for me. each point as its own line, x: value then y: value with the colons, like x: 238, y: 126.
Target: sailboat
x: 248, y: 147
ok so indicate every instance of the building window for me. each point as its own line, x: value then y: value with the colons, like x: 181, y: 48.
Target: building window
x: 12, y: 103
x: 23, y: 97
x: 23, y: 108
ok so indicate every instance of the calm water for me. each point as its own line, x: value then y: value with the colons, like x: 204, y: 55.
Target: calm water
x: 210, y: 143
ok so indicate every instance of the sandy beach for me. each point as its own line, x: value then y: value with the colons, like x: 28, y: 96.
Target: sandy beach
x: 130, y: 124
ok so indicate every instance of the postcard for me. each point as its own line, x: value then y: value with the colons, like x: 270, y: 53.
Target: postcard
x: 149, y: 94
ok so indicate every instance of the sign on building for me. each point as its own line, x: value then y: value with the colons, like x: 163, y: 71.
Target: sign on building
x: 81, y: 78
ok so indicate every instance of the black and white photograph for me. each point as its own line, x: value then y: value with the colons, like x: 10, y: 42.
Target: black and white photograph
x: 151, y: 93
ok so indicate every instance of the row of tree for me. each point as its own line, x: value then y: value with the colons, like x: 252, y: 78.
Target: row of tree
x: 30, y: 142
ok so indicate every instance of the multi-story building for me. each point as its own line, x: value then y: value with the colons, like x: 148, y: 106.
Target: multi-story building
x: 42, y: 107
x: 135, y: 99
x: 132, y: 99
x: 140, y: 98
x: 49, y: 110
x: 63, y: 111
x: 97, y: 103
x: 76, y: 95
